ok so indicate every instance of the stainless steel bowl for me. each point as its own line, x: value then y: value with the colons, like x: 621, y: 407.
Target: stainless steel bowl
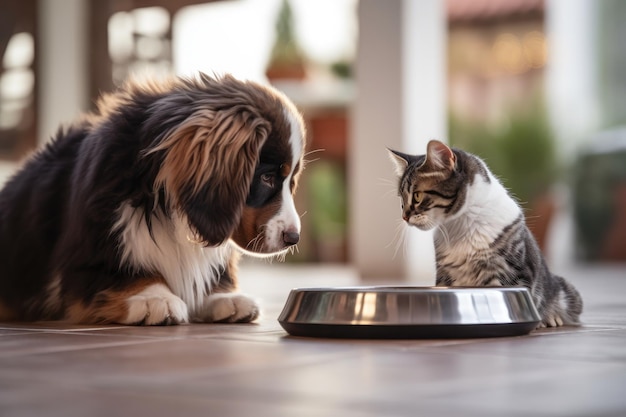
x: 409, y: 312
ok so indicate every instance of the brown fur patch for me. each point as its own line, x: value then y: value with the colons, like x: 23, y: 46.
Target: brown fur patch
x: 6, y: 314
x: 193, y: 147
x: 110, y: 306
x: 285, y: 169
x: 249, y: 234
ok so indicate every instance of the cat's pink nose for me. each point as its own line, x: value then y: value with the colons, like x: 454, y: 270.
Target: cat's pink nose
x: 406, y: 217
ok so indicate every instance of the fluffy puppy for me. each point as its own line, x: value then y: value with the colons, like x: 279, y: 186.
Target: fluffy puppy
x: 137, y: 213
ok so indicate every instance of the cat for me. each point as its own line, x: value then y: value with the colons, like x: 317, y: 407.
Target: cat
x: 481, y: 238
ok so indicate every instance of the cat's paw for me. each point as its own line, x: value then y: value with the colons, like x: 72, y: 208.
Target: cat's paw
x: 155, y: 305
x: 229, y: 308
x: 553, y: 320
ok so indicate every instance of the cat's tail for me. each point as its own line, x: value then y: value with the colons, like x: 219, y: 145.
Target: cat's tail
x: 570, y: 301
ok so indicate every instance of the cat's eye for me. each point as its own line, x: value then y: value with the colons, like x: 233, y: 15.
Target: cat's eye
x: 417, y: 197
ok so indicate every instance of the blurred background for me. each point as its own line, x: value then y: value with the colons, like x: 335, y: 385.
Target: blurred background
x: 535, y: 87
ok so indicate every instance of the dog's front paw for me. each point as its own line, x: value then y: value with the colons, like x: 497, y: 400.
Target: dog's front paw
x: 229, y: 308
x: 155, y: 305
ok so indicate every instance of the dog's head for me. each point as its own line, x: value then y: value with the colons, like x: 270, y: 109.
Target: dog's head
x: 230, y: 161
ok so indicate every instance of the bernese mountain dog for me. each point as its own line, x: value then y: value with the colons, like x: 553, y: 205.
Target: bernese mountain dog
x: 138, y: 213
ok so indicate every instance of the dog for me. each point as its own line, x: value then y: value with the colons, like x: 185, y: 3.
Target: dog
x: 138, y: 213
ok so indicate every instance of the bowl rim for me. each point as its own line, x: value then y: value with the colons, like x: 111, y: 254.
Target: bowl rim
x: 409, y: 289
x: 328, y: 326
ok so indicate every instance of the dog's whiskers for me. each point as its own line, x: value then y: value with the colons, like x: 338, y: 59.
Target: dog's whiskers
x: 308, y: 161
x: 314, y: 151
x: 254, y: 244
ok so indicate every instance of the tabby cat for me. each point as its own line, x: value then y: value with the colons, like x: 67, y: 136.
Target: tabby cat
x: 481, y: 238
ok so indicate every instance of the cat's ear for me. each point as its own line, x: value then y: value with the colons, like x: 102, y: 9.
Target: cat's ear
x: 400, y: 161
x: 439, y: 156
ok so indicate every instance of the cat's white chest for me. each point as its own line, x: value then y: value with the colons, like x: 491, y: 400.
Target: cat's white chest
x: 464, y: 244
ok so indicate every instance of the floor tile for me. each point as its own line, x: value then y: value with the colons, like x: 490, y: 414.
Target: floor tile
x: 55, y: 369
x: 599, y: 346
x: 52, y: 326
x: 39, y: 343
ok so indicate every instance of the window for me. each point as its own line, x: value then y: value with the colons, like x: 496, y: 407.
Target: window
x: 17, y: 79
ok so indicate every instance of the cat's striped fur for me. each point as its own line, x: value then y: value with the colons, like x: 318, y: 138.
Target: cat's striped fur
x: 481, y: 238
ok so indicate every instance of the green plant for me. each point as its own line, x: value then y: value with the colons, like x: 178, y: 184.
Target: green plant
x: 285, y: 50
x: 328, y: 199
x: 342, y: 69
x: 520, y: 150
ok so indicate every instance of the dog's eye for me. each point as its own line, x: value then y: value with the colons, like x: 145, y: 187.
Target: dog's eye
x: 268, y: 179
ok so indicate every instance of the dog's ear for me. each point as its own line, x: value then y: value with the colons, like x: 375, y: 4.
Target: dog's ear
x: 208, y: 165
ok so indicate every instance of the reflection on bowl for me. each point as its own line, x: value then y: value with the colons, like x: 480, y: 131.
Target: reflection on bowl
x: 409, y: 312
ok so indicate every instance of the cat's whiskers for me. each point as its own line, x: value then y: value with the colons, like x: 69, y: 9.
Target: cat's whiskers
x: 399, y: 238
x: 405, y: 241
x: 481, y: 237
x: 386, y: 182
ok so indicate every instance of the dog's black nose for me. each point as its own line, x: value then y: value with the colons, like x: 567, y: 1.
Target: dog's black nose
x: 291, y: 238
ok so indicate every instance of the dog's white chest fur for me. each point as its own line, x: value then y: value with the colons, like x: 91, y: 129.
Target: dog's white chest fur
x: 190, y: 269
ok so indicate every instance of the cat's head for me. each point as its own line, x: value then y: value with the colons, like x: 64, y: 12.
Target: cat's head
x: 432, y: 186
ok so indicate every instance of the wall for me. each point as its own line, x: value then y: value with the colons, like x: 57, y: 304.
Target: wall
x: 400, y: 81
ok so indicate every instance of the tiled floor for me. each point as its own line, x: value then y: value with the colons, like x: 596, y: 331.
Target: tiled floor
x: 257, y: 370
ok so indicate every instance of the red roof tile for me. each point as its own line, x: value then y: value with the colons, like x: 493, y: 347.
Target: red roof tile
x: 467, y: 10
